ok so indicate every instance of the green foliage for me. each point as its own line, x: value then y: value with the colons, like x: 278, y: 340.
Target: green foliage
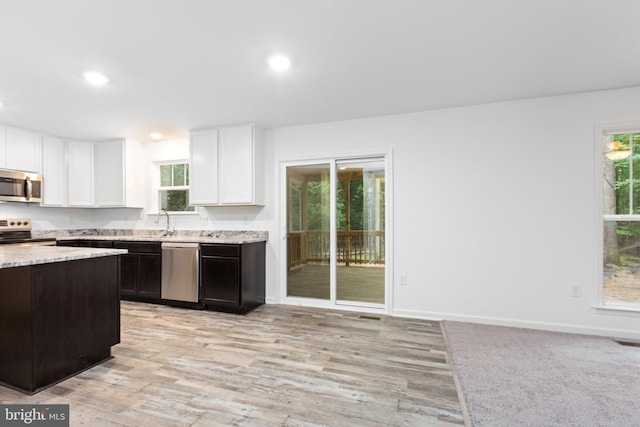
x: 175, y: 200
x: 627, y: 184
x: 356, y: 205
x: 626, y: 259
x: 318, y: 205
x: 365, y: 206
x: 628, y: 228
x: 295, y: 206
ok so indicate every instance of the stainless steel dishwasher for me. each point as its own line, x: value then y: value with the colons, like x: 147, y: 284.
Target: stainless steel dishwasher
x: 180, y: 271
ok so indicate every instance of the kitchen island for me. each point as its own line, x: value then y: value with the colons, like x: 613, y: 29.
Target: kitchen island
x: 59, y: 313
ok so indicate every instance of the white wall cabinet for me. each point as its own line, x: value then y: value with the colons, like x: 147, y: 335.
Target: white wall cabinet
x: 80, y: 174
x: 3, y: 147
x: 93, y: 174
x: 226, y: 166
x: 119, y: 179
x: 110, y: 173
x: 203, y: 167
x: 54, y: 171
x: 77, y: 173
x: 23, y: 150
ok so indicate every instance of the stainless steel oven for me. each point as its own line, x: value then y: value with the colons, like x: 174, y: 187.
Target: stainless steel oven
x: 17, y: 232
x: 20, y: 186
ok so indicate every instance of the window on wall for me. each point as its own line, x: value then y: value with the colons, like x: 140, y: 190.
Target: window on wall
x: 621, y: 228
x: 173, y: 192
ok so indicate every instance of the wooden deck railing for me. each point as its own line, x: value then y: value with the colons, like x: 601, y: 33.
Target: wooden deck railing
x: 353, y: 247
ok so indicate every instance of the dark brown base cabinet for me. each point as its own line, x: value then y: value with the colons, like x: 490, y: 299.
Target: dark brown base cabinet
x: 56, y: 320
x: 232, y: 276
x: 140, y: 270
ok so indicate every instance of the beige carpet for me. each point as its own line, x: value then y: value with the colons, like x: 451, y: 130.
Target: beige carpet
x: 521, y: 377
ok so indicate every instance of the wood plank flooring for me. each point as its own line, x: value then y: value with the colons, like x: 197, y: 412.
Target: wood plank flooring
x: 277, y: 366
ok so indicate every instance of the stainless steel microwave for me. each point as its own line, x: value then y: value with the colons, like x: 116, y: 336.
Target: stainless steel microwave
x: 20, y: 186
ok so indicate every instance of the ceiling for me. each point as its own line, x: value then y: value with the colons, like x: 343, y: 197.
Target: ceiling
x: 177, y: 65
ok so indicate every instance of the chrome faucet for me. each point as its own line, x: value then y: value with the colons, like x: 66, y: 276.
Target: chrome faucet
x: 168, y: 231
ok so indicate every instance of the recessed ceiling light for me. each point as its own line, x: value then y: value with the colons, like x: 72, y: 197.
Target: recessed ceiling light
x: 96, y: 79
x: 279, y: 62
x: 155, y: 135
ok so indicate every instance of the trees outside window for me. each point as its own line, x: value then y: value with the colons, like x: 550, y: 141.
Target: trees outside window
x: 621, y: 228
x: 173, y: 193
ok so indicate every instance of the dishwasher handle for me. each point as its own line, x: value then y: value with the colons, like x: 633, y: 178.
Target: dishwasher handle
x: 180, y: 245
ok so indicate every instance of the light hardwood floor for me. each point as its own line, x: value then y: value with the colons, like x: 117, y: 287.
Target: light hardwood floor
x: 276, y: 366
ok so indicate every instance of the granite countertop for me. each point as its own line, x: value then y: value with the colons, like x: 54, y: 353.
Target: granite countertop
x: 17, y: 256
x: 198, y: 236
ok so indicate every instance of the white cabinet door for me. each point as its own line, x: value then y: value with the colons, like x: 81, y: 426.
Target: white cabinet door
x: 110, y: 173
x: 80, y: 176
x: 53, y: 172
x: 3, y: 147
x: 236, y: 165
x: 226, y: 166
x: 24, y: 150
x: 203, y: 168
x: 136, y: 174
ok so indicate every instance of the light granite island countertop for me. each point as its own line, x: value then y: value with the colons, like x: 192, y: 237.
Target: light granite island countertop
x: 17, y: 256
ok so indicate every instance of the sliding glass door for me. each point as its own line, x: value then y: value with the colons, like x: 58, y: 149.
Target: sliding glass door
x: 360, y: 233
x: 335, y: 239
x: 308, y: 231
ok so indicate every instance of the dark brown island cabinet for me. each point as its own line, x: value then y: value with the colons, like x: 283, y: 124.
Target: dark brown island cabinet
x: 232, y: 277
x: 57, y: 319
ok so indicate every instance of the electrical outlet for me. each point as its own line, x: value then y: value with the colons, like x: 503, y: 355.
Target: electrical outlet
x: 403, y: 279
x: 575, y: 291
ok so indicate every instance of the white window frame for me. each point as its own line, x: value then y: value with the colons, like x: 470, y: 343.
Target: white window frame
x: 156, y: 187
x: 601, y: 130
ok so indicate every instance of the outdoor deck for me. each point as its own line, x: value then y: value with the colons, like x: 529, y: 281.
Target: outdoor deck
x: 355, y: 283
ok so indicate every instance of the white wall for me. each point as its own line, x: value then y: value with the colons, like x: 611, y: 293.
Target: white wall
x: 495, y: 213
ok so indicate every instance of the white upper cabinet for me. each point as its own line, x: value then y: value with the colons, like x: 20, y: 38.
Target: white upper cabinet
x: 93, y: 174
x: 119, y: 179
x: 77, y: 173
x: 226, y: 166
x: 3, y: 147
x: 54, y: 168
x: 110, y: 173
x: 203, y: 167
x: 80, y: 176
x: 136, y: 178
x: 236, y: 165
x: 23, y: 150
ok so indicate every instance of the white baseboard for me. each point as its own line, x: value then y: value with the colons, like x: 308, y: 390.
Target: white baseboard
x: 547, y: 326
